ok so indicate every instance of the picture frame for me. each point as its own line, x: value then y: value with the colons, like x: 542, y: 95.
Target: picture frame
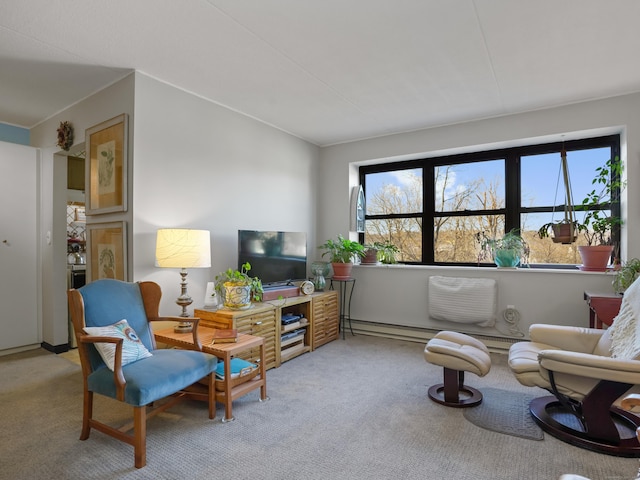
x: 107, y: 244
x: 106, y: 173
x: 79, y: 214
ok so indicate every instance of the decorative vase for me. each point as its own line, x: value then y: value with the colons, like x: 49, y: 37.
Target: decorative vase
x: 342, y: 271
x: 324, y: 267
x: 237, y: 296
x: 319, y: 281
x: 506, y: 258
x: 595, y: 258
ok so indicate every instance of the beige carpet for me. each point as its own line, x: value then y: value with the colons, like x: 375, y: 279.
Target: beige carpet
x: 505, y: 411
x: 353, y: 409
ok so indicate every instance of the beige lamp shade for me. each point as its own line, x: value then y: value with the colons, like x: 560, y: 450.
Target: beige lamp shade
x: 183, y: 248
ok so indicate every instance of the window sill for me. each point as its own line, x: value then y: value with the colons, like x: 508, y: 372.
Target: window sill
x: 462, y: 268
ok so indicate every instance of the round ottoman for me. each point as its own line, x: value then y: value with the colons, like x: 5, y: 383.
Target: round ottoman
x: 457, y: 353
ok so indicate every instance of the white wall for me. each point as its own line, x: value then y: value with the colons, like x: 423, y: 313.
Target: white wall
x: 396, y: 296
x: 195, y: 164
x: 192, y: 164
x: 106, y: 104
x: 199, y: 165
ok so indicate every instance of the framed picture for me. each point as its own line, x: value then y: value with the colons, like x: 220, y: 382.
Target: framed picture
x: 107, y: 250
x: 106, y: 175
x: 79, y: 214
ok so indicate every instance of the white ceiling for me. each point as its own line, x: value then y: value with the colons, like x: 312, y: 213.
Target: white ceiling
x: 327, y: 71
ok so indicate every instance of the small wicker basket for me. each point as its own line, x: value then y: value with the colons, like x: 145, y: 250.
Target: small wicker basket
x: 245, y: 375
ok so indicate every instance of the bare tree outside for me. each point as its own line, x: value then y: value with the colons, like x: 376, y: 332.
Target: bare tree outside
x: 469, y: 198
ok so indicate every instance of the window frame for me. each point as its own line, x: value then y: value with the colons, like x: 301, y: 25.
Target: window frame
x: 512, y: 210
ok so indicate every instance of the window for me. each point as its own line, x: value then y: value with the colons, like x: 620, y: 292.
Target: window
x: 434, y: 209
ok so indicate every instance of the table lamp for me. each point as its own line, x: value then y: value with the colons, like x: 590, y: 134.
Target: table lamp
x: 183, y: 248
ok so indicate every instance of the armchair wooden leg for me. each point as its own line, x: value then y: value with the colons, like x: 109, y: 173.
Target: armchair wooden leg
x: 87, y: 414
x: 140, y: 436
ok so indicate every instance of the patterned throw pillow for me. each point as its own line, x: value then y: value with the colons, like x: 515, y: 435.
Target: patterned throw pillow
x: 132, y: 348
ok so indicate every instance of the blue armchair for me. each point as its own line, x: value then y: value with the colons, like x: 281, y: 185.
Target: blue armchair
x: 119, y: 359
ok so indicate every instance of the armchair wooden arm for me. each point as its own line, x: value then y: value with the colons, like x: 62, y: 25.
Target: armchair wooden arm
x: 118, y: 376
x: 193, y: 320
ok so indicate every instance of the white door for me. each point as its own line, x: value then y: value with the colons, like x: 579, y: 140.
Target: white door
x: 18, y: 245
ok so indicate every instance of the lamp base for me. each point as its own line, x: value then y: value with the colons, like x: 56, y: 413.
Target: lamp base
x: 183, y: 328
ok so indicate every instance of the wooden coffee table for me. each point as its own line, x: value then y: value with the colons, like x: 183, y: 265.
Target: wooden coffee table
x: 225, y: 352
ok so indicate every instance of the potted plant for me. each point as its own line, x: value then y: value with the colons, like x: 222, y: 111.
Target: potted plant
x: 597, y: 225
x: 341, y: 252
x: 383, y: 252
x: 507, y: 252
x: 564, y: 231
x: 626, y: 275
x: 237, y: 288
x: 387, y: 253
x: 370, y: 256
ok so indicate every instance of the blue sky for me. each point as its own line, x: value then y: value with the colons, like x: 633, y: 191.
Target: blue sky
x: 542, y: 183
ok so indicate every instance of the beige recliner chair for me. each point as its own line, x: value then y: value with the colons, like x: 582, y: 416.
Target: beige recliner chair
x: 628, y: 402
x: 587, y: 370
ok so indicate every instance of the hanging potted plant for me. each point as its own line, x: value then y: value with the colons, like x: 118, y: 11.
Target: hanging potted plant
x: 597, y: 225
x: 564, y: 231
x: 506, y: 252
x: 342, y: 252
x: 237, y: 289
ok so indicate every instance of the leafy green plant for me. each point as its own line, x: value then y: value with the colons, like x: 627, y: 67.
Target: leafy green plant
x: 387, y: 252
x: 597, y: 225
x: 507, y: 251
x: 626, y: 275
x: 342, y: 250
x: 239, y: 278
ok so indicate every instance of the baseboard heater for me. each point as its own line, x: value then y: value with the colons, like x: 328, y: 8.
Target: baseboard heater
x: 423, y: 335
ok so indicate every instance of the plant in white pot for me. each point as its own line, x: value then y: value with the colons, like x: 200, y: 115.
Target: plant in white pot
x: 387, y: 252
x: 237, y: 288
x: 342, y: 252
x: 597, y: 225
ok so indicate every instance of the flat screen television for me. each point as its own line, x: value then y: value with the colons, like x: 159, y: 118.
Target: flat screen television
x: 276, y: 258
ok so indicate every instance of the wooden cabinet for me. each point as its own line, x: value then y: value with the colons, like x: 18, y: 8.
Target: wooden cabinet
x: 326, y: 318
x: 295, y: 338
x: 319, y: 324
x: 260, y: 321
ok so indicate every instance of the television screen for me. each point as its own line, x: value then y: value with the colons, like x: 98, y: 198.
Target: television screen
x: 276, y: 258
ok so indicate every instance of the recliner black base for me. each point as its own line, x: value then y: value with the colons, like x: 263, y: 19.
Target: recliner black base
x: 547, y: 412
